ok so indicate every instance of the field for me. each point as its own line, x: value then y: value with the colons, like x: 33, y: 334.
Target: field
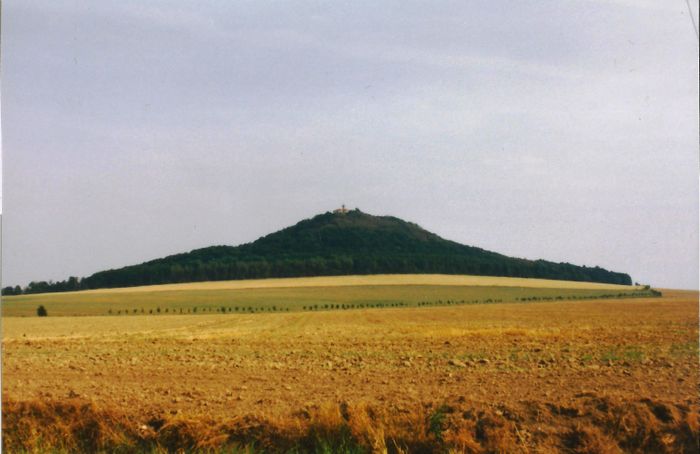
x: 542, y: 375
x: 316, y: 293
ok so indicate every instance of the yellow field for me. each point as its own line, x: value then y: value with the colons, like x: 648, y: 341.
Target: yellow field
x: 320, y: 293
x: 607, y: 375
x: 377, y: 279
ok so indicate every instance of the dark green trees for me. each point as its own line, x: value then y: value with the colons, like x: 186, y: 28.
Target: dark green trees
x: 333, y: 244
x: 9, y: 291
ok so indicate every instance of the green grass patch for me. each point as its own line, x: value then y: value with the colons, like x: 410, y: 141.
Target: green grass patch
x: 684, y: 349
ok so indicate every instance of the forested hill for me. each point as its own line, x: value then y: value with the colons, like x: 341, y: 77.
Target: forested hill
x: 334, y: 244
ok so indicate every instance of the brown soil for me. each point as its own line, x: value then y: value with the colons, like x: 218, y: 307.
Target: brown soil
x: 587, y: 376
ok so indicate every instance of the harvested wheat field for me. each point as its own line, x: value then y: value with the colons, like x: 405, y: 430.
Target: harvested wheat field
x: 590, y: 375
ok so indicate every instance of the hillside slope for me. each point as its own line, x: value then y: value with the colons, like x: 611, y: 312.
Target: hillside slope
x: 336, y: 244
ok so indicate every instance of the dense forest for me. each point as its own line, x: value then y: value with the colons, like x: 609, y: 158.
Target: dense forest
x: 330, y: 244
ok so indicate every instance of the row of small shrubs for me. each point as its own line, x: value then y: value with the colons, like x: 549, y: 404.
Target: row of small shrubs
x: 458, y: 303
x: 251, y: 309
x: 647, y: 293
x: 196, y: 309
x: 350, y: 306
x: 331, y: 307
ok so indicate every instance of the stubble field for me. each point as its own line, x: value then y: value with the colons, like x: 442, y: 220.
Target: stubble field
x: 590, y: 375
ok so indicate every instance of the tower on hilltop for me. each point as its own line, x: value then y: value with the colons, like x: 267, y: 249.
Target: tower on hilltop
x: 341, y: 210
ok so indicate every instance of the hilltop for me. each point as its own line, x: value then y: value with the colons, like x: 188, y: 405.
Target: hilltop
x: 338, y: 243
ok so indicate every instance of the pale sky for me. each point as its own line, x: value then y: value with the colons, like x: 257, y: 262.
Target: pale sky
x: 565, y: 130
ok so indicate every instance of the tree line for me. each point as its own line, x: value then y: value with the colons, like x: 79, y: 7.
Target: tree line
x: 216, y: 270
x: 329, y: 245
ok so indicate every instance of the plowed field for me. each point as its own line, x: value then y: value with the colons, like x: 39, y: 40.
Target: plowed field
x: 599, y: 375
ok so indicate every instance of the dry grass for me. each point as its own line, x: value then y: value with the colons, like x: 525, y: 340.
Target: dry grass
x: 68, y: 426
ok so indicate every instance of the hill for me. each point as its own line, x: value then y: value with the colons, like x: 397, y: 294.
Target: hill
x: 339, y: 243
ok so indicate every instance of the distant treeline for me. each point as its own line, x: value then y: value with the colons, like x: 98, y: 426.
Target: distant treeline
x: 163, y: 273
x: 329, y: 245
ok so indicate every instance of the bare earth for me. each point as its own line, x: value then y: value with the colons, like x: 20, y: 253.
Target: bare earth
x: 520, y: 358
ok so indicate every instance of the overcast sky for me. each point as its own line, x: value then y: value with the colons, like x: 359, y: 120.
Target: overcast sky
x: 565, y: 130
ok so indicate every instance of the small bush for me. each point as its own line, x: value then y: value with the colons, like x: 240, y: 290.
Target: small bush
x: 436, y: 422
